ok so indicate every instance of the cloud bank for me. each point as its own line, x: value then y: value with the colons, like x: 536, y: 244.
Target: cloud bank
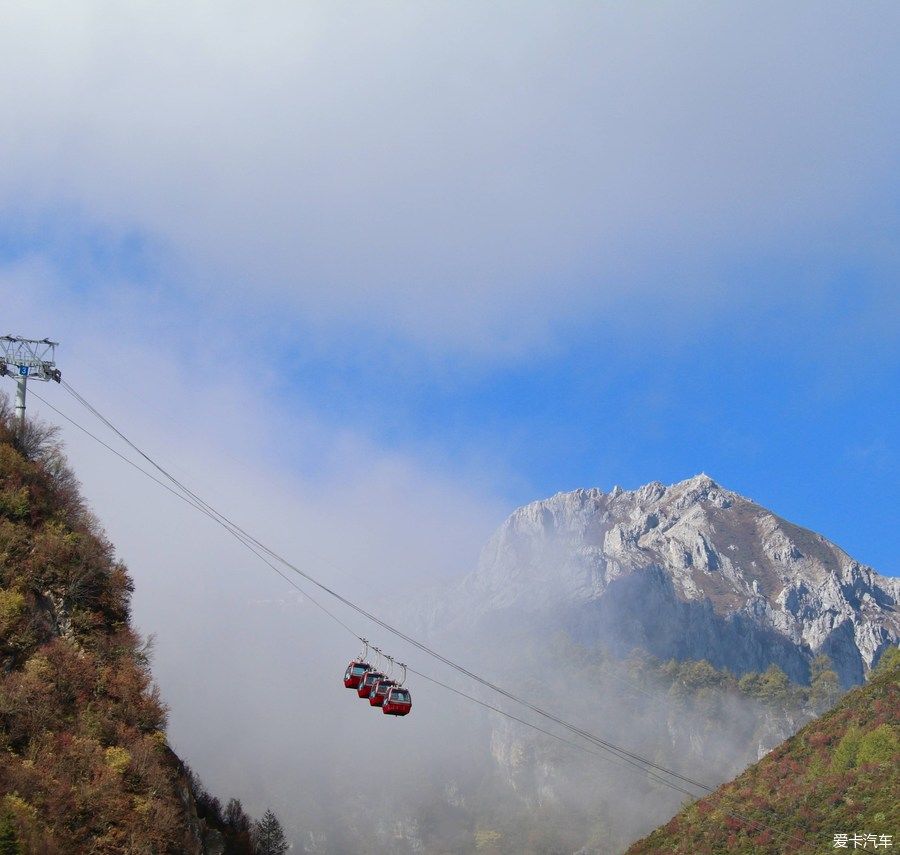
x: 471, y: 177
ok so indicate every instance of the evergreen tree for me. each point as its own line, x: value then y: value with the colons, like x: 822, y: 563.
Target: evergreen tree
x: 269, y: 836
x: 9, y: 840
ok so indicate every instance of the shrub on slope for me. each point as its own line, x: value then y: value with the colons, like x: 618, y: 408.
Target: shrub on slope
x: 839, y: 775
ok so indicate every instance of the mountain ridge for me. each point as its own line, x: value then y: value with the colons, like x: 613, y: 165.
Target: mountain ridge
x: 716, y: 570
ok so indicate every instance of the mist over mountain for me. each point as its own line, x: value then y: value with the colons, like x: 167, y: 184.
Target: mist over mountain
x: 684, y: 623
x: 687, y: 623
x: 351, y: 284
x: 688, y: 571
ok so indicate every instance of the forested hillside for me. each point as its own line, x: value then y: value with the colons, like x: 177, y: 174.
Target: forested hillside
x: 840, y: 775
x: 84, y: 761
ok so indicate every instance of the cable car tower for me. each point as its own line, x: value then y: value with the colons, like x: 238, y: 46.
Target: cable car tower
x: 27, y: 357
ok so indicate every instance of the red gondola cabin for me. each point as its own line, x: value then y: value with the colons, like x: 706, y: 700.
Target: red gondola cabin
x: 397, y: 702
x: 379, y: 693
x: 367, y: 683
x: 356, y: 670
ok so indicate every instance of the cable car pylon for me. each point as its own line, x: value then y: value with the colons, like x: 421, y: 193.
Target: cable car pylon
x: 25, y: 358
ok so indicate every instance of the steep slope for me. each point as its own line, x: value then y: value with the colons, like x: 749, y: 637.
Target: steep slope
x: 838, y: 775
x: 84, y: 763
x: 690, y: 571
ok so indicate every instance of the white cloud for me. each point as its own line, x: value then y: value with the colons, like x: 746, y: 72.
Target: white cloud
x: 467, y: 174
x: 236, y: 650
x: 184, y: 387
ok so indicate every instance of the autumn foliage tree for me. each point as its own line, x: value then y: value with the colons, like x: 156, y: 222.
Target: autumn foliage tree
x: 84, y: 762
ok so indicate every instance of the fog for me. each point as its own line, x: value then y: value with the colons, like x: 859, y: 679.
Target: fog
x: 192, y: 194
x: 252, y: 669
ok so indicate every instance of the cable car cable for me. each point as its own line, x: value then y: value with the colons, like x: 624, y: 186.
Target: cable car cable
x: 202, y: 510
x: 743, y: 819
x: 377, y: 650
x: 226, y: 522
x: 249, y: 541
x: 618, y: 751
x: 550, y: 733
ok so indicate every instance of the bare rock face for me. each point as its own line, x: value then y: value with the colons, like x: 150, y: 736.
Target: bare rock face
x: 687, y: 571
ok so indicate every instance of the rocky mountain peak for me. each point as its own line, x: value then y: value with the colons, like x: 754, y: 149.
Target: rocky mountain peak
x: 689, y: 562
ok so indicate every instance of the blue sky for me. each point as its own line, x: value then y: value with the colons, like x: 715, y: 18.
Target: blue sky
x: 521, y: 249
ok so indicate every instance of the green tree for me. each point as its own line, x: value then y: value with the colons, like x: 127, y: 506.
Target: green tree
x: 844, y: 755
x: 749, y: 684
x: 269, y: 835
x: 772, y: 687
x: 824, y: 688
x: 890, y: 658
x: 9, y: 840
x: 878, y: 746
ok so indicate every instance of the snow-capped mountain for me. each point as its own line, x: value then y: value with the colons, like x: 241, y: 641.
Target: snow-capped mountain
x: 687, y: 571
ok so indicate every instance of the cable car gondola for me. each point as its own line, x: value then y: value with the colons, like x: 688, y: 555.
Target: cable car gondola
x: 356, y: 670
x: 397, y: 702
x: 380, y: 691
x: 368, y: 683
